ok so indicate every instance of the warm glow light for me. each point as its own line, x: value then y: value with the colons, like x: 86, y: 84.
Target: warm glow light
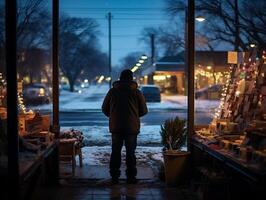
x: 159, y: 77
x: 41, y: 92
x: 100, y: 79
x: 135, y: 68
x: 141, y: 61
x: 252, y: 45
x: 138, y: 64
x: 144, y: 57
x: 209, y: 67
x: 146, y: 76
x: 108, y: 78
x: 200, y: 18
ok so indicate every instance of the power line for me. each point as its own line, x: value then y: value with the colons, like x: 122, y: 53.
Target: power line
x: 143, y: 19
x: 116, y: 13
x: 106, y: 10
x: 126, y: 35
x: 114, y: 8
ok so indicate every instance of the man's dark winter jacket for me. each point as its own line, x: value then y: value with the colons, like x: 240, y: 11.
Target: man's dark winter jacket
x: 124, y: 104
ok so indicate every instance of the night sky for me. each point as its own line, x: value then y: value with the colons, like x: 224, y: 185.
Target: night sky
x: 129, y: 18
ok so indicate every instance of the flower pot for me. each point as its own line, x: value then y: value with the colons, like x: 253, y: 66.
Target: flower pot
x: 175, y: 166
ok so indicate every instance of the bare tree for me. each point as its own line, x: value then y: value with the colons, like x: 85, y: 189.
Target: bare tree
x: 170, y: 38
x: 78, y: 47
x: 222, y: 24
x: 167, y: 39
x: 33, y: 31
x: 130, y: 60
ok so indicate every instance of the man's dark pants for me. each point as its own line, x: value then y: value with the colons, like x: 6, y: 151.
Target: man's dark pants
x: 117, y: 143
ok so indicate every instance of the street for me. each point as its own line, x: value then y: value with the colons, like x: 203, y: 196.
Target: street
x: 82, y: 111
x: 154, y: 117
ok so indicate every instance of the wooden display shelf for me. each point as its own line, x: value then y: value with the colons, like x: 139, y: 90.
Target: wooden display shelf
x: 28, y: 166
x: 245, y: 170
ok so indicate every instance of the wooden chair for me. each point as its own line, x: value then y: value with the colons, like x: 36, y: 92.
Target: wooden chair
x: 67, y: 152
x: 79, y: 153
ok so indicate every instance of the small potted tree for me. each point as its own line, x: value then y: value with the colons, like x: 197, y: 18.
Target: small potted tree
x: 174, y: 134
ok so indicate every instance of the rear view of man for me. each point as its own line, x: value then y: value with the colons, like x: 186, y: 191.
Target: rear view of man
x: 124, y: 104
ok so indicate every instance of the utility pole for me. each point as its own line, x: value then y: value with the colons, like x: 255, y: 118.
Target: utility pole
x: 150, y: 76
x: 237, y: 28
x: 152, y: 49
x: 109, y: 16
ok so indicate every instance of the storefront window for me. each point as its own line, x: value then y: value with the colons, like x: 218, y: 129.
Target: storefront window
x: 34, y: 79
x: 137, y: 43
x: 229, y: 88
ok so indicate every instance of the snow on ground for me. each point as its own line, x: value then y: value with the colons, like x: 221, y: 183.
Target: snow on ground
x: 91, y: 98
x: 181, y: 102
x: 95, y: 155
x: 97, y: 148
x: 97, y: 142
x: 100, y: 136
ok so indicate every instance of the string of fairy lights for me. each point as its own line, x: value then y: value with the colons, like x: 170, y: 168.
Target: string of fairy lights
x: 243, y: 90
x: 223, y: 94
x: 21, y: 105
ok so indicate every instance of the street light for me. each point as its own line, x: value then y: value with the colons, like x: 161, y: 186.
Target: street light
x: 139, y: 63
x: 135, y: 68
x: 144, y: 57
x: 252, y: 45
x: 200, y: 18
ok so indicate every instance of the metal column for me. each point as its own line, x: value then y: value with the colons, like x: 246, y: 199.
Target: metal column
x: 190, y: 64
x: 12, y: 110
x: 55, y: 63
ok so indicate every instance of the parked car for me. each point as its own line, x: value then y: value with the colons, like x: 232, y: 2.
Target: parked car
x: 151, y: 93
x: 210, y: 92
x: 36, y: 93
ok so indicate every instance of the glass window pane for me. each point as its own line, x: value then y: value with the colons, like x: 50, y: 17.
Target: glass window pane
x: 34, y: 44
x: 230, y: 82
x: 139, y: 41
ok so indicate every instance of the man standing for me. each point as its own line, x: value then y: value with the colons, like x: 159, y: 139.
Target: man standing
x: 124, y: 104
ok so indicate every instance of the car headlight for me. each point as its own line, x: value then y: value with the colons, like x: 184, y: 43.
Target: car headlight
x: 41, y: 92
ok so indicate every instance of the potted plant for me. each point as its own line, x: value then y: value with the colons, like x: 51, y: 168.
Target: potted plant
x: 174, y: 134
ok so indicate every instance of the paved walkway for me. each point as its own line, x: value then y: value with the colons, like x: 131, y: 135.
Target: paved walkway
x: 93, y: 182
x: 104, y: 190
x: 102, y: 172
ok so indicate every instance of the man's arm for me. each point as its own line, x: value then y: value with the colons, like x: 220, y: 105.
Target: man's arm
x: 106, y: 104
x: 143, y: 110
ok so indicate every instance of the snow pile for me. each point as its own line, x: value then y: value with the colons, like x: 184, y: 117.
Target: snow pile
x: 100, y: 136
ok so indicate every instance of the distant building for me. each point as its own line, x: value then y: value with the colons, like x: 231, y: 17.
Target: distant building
x: 170, y: 72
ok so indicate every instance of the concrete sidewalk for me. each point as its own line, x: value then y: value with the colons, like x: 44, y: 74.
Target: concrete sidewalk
x: 93, y: 182
x: 97, y: 190
x: 102, y: 172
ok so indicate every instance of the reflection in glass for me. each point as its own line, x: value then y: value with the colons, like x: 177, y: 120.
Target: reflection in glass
x: 34, y: 79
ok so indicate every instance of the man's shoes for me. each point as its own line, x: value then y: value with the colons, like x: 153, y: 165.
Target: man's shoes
x: 115, y: 181
x: 132, y: 180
